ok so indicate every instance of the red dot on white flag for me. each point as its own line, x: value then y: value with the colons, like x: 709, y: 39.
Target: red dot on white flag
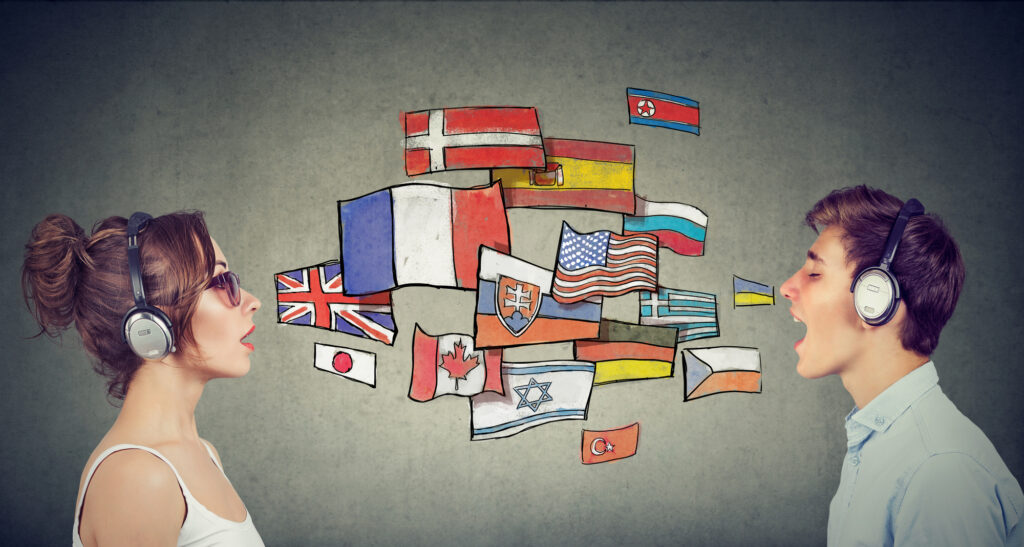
x: 342, y: 362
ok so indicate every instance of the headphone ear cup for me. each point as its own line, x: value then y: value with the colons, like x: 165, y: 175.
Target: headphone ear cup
x: 876, y: 296
x: 148, y: 331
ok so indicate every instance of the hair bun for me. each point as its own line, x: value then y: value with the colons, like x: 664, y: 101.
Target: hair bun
x: 54, y: 257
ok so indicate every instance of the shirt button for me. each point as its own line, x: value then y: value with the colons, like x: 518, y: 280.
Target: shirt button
x: 879, y: 420
x: 855, y: 460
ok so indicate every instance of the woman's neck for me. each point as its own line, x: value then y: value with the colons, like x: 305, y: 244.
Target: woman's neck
x: 160, y: 404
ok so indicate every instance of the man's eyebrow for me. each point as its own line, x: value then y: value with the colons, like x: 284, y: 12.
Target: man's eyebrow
x: 814, y: 256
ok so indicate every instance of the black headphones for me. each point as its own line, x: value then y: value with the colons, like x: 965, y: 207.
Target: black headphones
x: 876, y: 293
x: 145, y: 329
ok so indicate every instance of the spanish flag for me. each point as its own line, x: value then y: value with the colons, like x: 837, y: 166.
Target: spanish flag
x: 625, y: 351
x: 579, y: 174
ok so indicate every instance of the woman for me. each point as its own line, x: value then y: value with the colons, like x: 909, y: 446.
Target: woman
x: 158, y: 309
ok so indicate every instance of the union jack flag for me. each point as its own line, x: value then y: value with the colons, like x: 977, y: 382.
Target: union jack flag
x: 313, y: 297
x: 604, y: 264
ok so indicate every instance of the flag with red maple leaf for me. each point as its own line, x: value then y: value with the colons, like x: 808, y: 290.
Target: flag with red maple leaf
x: 449, y: 365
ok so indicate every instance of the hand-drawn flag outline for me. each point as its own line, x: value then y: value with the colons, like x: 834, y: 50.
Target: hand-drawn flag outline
x: 434, y: 359
x: 603, y: 263
x: 554, y: 322
x: 600, y: 446
x: 313, y: 296
x: 627, y: 351
x: 477, y: 137
x: 579, y: 174
x: 534, y: 394
x: 419, y: 234
x: 694, y: 314
x: 663, y: 110
x: 751, y: 293
x: 680, y: 228
x: 721, y: 369
x: 353, y: 364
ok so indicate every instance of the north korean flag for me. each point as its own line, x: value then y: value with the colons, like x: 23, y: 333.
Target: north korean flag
x: 663, y: 110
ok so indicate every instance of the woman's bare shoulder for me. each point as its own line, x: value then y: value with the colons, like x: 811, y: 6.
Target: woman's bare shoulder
x: 133, y: 496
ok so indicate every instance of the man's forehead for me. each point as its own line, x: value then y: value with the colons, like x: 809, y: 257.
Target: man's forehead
x: 828, y: 249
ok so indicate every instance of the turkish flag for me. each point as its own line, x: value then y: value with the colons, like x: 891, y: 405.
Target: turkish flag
x: 608, y: 445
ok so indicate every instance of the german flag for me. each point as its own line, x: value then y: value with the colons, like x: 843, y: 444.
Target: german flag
x: 626, y: 351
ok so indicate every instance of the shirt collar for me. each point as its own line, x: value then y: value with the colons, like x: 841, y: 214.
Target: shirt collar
x: 890, y: 404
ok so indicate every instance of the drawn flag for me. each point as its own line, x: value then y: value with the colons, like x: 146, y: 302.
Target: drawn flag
x: 663, y: 110
x: 625, y: 351
x: 353, y: 364
x: 610, y: 444
x: 480, y: 137
x: 514, y: 306
x: 694, y: 314
x: 449, y: 364
x: 579, y: 174
x: 717, y: 370
x: 751, y: 293
x: 314, y: 297
x: 680, y: 228
x: 534, y: 394
x: 603, y: 264
x: 419, y: 234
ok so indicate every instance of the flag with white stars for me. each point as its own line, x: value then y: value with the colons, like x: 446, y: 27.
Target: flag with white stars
x: 603, y: 264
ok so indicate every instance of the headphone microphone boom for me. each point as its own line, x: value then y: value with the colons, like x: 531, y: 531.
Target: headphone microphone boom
x: 146, y: 329
x: 876, y: 293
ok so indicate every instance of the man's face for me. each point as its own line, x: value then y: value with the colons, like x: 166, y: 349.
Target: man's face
x: 821, y: 297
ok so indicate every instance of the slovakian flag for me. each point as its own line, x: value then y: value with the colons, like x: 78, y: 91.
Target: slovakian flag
x: 610, y: 444
x: 694, y: 314
x: 603, y: 264
x: 479, y: 137
x: 625, y: 351
x: 360, y: 366
x: 534, y: 394
x: 663, y: 110
x: 717, y: 370
x: 450, y: 365
x: 419, y: 234
x: 514, y: 306
x: 579, y: 174
x: 680, y: 228
x: 314, y: 297
x: 751, y: 293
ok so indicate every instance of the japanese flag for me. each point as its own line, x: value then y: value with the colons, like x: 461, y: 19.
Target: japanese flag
x: 353, y: 364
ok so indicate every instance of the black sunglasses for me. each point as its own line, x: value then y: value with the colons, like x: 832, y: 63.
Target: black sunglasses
x: 230, y: 283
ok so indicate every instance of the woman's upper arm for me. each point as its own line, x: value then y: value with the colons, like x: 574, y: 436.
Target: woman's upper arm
x: 133, y: 499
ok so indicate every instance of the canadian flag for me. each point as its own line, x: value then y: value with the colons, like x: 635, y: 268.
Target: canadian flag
x: 449, y: 365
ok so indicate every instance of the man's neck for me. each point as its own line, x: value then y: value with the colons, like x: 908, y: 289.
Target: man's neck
x: 881, y: 366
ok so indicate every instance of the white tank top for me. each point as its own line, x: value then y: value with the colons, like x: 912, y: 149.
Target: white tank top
x: 202, y: 527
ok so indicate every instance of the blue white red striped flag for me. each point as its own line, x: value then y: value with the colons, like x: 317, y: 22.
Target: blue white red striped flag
x: 603, y: 264
x: 663, y: 110
x: 313, y: 297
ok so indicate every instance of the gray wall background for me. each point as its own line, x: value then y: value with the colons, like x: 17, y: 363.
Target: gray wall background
x: 263, y: 115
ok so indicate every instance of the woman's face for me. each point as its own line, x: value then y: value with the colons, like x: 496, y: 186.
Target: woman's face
x: 220, y: 328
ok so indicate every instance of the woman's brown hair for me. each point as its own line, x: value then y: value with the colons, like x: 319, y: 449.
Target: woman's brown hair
x: 927, y: 266
x: 70, y: 277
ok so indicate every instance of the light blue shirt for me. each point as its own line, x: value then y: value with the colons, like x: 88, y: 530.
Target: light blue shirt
x: 918, y: 472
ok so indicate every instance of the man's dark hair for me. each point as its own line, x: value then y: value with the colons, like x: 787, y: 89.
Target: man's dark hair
x: 927, y: 264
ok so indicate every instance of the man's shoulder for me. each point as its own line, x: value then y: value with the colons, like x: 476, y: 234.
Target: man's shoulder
x: 943, y: 429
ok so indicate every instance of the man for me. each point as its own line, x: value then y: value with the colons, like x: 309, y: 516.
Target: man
x: 916, y: 471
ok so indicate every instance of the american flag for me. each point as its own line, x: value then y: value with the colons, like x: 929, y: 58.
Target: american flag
x: 604, y: 264
x: 313, y: 296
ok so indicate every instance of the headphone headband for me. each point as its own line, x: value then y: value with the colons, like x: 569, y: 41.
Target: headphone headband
x: 145, y: 329
x: 136, y: 223
x: 911, y: 208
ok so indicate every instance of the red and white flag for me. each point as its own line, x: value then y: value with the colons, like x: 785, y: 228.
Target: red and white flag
x: 479, y: 137
x: 450, y: 365
x: 353, y: 364
x: 608, y: 445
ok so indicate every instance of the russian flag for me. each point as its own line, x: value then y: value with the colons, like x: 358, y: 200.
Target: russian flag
x: 680, y: 228
x: 663, y: 110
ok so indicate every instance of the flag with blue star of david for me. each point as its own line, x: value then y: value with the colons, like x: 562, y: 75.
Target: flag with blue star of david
x: 534, y: 394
